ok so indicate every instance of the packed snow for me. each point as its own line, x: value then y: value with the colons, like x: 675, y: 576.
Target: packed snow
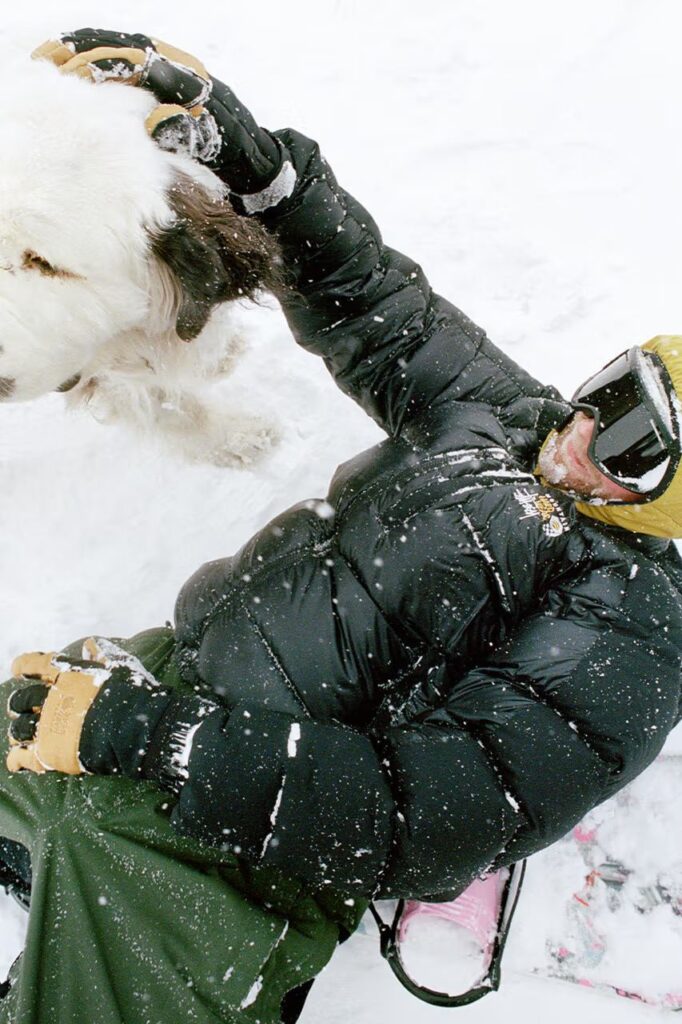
x: 529, y: 156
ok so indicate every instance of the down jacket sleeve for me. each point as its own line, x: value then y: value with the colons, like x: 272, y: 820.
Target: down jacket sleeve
x: 388, y: 340
x: 419, y: 809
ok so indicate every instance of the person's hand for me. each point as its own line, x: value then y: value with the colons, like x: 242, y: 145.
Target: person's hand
x: 197, y: 114
x: 48, y: 711
x: 179, y: 81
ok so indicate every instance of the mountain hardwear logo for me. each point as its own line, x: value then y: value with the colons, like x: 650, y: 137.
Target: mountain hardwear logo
x: 544, y: 507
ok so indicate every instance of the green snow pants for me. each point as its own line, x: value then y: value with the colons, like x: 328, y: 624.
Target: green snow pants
x: 132, y: 924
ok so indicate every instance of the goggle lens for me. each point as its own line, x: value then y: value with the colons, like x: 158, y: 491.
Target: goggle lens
x: 631, y: 442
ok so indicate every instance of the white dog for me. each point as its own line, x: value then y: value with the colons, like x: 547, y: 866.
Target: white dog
x: 118, y: 263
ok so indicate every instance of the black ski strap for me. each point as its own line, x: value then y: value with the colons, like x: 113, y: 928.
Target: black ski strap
x: 490, y: 982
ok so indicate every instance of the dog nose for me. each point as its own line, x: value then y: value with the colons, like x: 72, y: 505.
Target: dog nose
x: 7, y: 386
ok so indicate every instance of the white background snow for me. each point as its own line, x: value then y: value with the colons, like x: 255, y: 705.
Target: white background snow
x: 529, y: 155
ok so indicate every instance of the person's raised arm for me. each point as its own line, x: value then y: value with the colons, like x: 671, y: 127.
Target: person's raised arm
x: 367, y: 310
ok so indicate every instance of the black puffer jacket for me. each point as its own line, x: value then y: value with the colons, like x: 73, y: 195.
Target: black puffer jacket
x: 443, y: 666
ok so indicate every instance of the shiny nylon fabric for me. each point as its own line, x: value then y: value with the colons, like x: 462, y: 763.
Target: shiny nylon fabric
x: 441, y: 666
x: 131, y: 922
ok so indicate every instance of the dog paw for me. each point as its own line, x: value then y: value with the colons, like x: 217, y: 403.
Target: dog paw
x: 203, y: 432
x: 231, y: 356
x: 244, y: 444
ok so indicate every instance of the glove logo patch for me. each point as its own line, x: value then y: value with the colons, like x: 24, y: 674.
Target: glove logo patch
x: 62, y: 717
x: 545, y: 508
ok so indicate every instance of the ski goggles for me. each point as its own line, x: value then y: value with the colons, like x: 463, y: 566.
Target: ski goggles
x: 636, y: 437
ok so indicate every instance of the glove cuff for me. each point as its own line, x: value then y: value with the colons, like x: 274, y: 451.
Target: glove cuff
x: 119, y: 726
x: 167, y: 759
x: 257, y: 169
x: 142, y: 733
x: 281, y: 187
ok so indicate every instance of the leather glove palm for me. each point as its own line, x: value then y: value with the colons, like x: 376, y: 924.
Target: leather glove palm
x: 197, y: 114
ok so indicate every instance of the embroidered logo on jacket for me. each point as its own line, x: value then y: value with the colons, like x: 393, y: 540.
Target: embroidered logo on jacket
x: 545, y: 508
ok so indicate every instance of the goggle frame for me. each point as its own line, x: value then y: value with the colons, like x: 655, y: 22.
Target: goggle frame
x: 669, y: 439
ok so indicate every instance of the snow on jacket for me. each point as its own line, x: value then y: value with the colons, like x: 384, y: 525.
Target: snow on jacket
x: 444, y: 665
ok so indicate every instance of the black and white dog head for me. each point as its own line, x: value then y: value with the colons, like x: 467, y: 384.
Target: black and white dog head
x: 111, y: 250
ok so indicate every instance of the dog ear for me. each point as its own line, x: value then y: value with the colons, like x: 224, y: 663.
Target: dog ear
x: 213, y: 254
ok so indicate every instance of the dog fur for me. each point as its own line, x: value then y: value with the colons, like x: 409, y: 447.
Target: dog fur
x: 118, y: 265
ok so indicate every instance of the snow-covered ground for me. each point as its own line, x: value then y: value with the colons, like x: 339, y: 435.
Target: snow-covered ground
x: 530, y: 156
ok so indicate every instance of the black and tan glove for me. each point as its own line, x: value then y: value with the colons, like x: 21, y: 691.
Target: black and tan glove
x: 197, y: 114
x: 104, y: 715
x: 48, y: 711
